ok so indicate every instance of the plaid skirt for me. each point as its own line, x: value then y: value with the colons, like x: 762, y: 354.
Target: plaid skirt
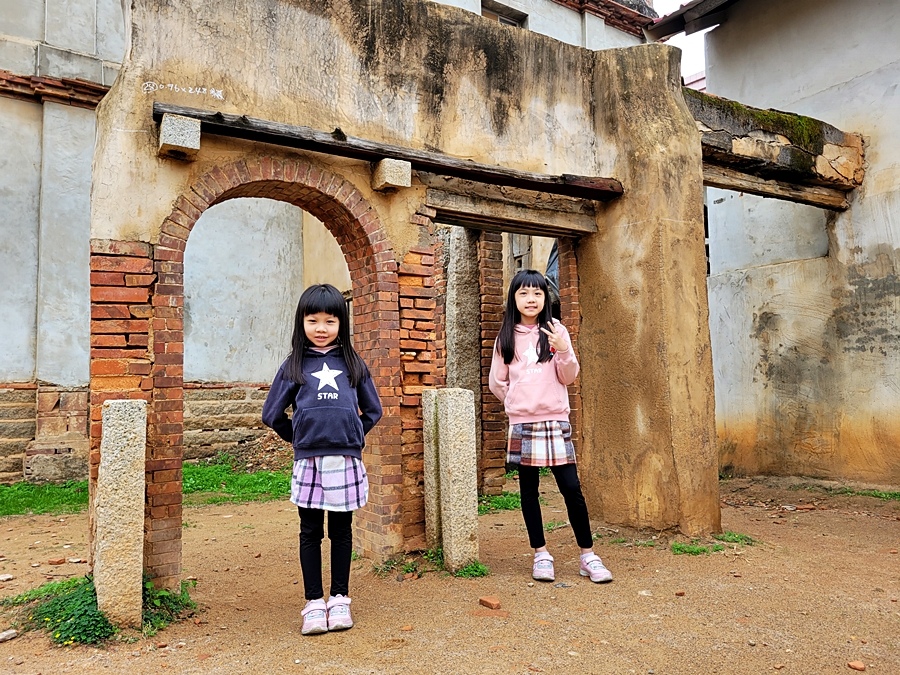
x: 540, y: 444
x: 332, y: 483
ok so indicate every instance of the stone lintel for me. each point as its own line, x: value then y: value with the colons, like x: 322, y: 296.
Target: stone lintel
x: 775, y: 146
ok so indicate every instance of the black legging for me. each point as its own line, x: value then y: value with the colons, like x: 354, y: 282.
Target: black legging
x: 569, y: 486
x: 340, y: 533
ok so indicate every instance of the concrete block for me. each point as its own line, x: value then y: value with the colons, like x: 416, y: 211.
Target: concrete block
x: 110, y: 32
x: 18, y: 57
x: 432, y: 485
x: 24, y: 20
x: 71, y: 24
x: 54, y: 62
x: 458, y: 476
x: 179, y: 137
x: 110, y: 74
x: 119, y: 505
x: 391, y: 173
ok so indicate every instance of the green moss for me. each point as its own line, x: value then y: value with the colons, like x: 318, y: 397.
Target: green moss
x: 804, y: 132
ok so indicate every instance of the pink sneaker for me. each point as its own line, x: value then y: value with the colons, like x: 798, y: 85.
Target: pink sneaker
x: 314, y: 618
x: 543, y: 568
x: 593, y: 567
x: 339, y: 613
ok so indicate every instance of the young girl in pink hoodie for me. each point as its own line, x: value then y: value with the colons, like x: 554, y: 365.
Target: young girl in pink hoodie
x: 533, y: 362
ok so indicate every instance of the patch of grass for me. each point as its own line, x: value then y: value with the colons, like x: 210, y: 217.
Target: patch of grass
x: 31, y: 498
x: 220, y: 483
x: 554, y: 525
x: 507, y: 501
x: 618, y: 540
x: 680, y: 548
x: 410, y: 567
x: 435, y: 556
x: 473, y: 570
x: 354, y: 555
x: 734, y: 538
x: 162, y: 606
x: 646, y: 543
x: 48, y: 590
x: 877, y: 494
x: 68, y: 612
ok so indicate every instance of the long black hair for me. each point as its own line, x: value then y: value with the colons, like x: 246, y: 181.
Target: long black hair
x: 323, y: 298
x: 506, y: 340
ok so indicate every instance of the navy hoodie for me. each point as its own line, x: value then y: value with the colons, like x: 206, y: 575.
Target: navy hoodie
x: 330, y: 416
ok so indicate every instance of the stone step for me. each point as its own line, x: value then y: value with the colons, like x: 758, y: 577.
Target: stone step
x: 17, y: 411
x: 17, y: 395
x: 17, y: 428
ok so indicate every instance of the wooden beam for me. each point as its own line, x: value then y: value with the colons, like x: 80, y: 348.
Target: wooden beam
x: 498, y: 216
x: 813, y: 195
x: 338, y: 143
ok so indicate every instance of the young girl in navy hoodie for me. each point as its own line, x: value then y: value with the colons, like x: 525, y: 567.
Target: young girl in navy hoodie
x: 533, y: 362
x: 335, y: 405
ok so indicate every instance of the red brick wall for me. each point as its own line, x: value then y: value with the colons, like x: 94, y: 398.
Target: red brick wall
x: 137, y: 333
x: 492, y: 463
x: 570, y: 312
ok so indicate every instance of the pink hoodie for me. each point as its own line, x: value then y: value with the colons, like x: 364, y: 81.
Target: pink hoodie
x: 531, y: 391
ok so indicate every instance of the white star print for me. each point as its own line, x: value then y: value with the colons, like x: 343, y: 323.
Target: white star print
x: 326, y: 377
x: 530, y: 355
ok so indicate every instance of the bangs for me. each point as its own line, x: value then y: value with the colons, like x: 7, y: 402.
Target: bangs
x: 324, y: 299
x: 529, y: 279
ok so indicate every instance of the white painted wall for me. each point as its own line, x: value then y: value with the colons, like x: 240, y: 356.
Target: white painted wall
x: 324, y: 261
x: 561, y: 23
x: 63, y: 309
x: 804, y: 304
x: 243, y: 275
x: 20, y: 176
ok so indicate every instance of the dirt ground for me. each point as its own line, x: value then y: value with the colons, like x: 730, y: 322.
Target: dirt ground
x: 819, y: 590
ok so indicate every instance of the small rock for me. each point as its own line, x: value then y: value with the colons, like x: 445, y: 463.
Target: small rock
x: 35, y: 564
x: 573, y: 654
x: 162, y: 645
x: 490, y: 601
x: 8, y: 635
x: 258, y: 555
x: 856, y: 665
x: 406, y: 629
x: 57, y: 561
x: 6, y: 577
x: 894, y: 551
x: 74, y: 560
x: 679, y: 593
x: 778, y: 666
x: 645, y: 593
x: 752, y: 643
x: 531, y: 583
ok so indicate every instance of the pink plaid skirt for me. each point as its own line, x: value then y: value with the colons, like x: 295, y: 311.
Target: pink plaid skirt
x: 332, y: 483
x: 540, y: 444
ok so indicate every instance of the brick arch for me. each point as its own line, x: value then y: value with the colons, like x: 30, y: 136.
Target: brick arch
x: 141, y: 323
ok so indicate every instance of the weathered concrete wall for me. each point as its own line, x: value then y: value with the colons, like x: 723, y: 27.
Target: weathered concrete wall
x: 323, y: 261
x: 243, y: 275
x: 646, y: 375
x: 804, y: 319
x: 396, y: 75
x: 219, y: 418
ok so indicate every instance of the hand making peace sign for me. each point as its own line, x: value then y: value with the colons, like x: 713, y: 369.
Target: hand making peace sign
x: 556, y: 339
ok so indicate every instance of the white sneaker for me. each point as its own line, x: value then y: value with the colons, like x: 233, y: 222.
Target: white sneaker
x: 339, y: 613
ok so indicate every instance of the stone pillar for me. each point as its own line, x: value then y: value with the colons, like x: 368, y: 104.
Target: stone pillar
x: 649, y: 457
x: 457, y: 475
x: 119, y: 509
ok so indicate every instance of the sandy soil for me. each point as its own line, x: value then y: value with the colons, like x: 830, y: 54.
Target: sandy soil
x: 819, y: 590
